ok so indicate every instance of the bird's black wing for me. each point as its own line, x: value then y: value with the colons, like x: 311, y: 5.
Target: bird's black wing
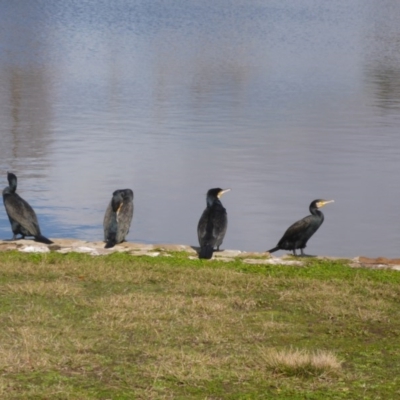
x: 22, y: 213
x: 202, y: 227
x: 206, y: 235
x: 295, y: 231
x: 124, y: 219
x: 109, y: 224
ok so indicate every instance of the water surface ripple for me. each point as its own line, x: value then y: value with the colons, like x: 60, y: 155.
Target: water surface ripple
x: 283, y: 102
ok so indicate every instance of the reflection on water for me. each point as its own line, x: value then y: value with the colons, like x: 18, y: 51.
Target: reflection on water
x: 284, y: 102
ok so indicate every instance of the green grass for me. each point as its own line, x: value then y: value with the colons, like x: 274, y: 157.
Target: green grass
x: 125, y: 327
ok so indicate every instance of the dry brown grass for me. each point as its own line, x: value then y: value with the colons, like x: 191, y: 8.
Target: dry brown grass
x: 302, y: 362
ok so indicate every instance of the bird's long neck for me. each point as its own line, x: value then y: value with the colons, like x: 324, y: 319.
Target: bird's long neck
x: 116, y: 203
x: 12, y: 185
x: 212, y: 201
x: 317, y: 213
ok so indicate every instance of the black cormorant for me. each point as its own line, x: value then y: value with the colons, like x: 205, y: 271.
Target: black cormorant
x: 297, y: 235
x: 22, y: 218
x: 118, y: 217
x: 213, y: 223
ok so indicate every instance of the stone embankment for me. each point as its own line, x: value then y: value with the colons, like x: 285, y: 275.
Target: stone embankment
x: 159, y: 250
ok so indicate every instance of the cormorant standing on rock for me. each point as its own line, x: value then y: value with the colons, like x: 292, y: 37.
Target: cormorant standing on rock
x: 297, y: 235
x: 118, y: 217
x: 22, y: 218
x: 212, y: 225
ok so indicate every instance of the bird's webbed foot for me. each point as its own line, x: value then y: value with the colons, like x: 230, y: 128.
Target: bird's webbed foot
x: 305, y: 255
x: 13, y: 239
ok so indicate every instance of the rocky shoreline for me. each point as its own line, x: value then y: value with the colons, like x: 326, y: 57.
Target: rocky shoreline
x: 159, y: 250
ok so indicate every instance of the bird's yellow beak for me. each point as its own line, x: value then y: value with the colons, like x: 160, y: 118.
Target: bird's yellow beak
x: 324, y: 203
x: 222, y: 192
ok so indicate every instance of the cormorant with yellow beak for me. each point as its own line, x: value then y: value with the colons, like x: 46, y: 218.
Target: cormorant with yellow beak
x: 298, y: 234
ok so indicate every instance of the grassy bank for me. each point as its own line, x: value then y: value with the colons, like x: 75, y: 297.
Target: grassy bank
x: 123, y: 327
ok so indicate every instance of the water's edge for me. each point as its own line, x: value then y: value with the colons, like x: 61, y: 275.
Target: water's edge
x: 165, y: 250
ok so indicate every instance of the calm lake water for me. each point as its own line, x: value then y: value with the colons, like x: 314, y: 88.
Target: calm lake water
x: 281, y: 101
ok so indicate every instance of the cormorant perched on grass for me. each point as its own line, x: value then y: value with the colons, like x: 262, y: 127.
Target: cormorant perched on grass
x: 213, y: 223
x: 118, y: 217
x: 299, y: 233
x: 22, y: 218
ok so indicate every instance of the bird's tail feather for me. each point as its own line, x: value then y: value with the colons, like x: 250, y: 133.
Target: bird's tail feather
x: 274, y: 249
x: 111, y: 240
x: 43, y: 239
x: 206, y: 251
